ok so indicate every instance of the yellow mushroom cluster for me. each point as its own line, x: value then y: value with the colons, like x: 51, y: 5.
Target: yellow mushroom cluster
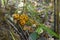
x: 23, y: 18
x: 16, y: 16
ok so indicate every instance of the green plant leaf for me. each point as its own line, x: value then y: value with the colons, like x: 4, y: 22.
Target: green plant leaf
x: 2, y: 2
x: 39, y: 30
x: 51, y: 32
x: 33, y: 36
x: 12, y: 35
